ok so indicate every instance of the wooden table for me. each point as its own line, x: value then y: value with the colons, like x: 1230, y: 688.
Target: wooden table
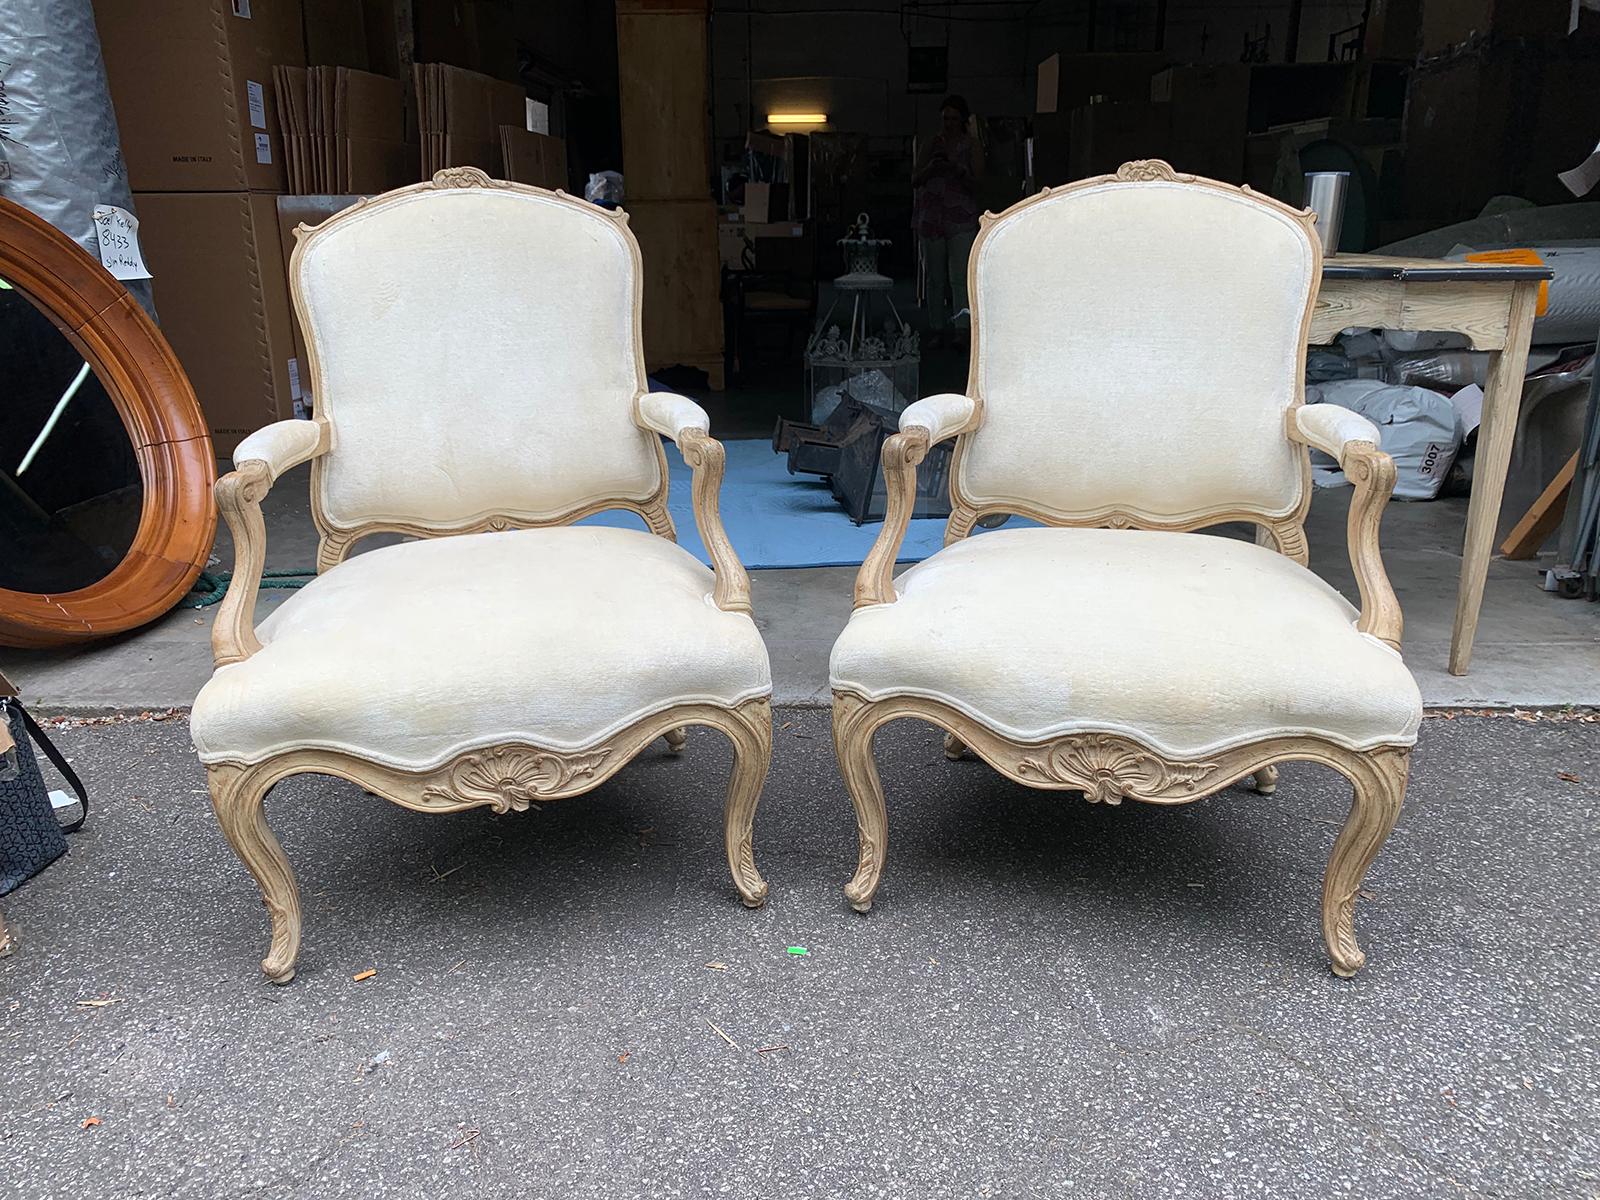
x: 1493, y: 305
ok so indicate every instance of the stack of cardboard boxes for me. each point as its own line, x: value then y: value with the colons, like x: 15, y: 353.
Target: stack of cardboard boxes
x: 192, y: 82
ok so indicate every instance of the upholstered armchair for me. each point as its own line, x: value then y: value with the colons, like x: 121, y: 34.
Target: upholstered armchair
x: 476, y: 361
x: 1138, y: 352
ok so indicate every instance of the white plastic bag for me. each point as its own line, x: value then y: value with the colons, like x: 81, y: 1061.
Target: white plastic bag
x: 1418, y: 428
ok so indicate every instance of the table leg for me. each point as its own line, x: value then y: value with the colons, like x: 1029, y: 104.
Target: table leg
x: 1502, y: 399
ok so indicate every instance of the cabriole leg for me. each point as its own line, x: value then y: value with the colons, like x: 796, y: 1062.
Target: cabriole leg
x: 1380, y: 785
x: 237, y: 794
x: 751, y: 734
x: 852, y: 741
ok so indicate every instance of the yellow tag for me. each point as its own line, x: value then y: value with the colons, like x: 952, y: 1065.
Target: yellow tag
x: 1518, y: 258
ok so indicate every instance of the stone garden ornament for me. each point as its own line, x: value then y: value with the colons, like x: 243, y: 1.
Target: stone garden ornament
x: 479, y: 382
x: 1138, y: 357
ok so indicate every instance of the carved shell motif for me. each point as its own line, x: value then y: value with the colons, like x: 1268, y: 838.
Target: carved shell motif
x: 1107, y: 768
x: 511, y: 778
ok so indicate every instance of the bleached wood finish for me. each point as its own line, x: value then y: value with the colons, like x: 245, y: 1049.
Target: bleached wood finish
x: 1109, y: 767
x: 505, y: 777
x: 1502, y: 397
x: 1543, y: 515
x: 1496, y: 313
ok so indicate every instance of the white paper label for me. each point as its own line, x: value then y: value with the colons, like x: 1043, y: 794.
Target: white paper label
x: 538, y: 113
x: 294, y: 379
x: 263, y: 148
x: 241, y: 8
x: 257, y: 102
x: 117, y: 230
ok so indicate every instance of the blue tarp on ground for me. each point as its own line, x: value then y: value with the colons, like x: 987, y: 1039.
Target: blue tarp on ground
x: 775, y: 519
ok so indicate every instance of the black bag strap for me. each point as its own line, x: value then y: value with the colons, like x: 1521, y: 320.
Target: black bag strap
x: 59, y: 761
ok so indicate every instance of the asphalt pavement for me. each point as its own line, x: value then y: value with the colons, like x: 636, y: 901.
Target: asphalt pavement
x: 1049, y: 998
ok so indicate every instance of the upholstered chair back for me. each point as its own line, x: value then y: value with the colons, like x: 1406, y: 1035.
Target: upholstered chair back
x: 1136, y: 342
x: 475, y: 347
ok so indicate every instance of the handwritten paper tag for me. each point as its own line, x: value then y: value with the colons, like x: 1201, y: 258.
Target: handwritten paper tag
x: 117, y: 230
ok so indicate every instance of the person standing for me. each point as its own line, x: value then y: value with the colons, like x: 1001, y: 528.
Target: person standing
x: 945, y: 215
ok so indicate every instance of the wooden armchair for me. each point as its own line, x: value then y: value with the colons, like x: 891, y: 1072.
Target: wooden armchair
x: 475, y: 350
x: 1138, y: 360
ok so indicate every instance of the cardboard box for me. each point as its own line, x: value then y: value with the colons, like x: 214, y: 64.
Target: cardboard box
x: 534, y: 158
x: 336, y: 34
x: 192, y: 85
x: 460, y: 113
x: 1104, y: 136
x: 1210, y: 107
x: 479, y: 35
x: 223, y: 296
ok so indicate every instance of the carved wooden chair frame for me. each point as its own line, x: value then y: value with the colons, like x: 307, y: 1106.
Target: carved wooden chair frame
x: 503, y: 777
x: 1108, y: 767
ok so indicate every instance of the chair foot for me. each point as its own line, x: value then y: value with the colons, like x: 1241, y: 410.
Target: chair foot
x: 1380, y: 786
x: 1266, y: 780
x: 675, y: 739
x: 852, y: 740
x: 236, y: 796
x: 751, y: 735
x: 954, y: 747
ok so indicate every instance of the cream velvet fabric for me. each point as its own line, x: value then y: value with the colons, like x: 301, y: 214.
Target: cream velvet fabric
x: 942, y: 415
x: 281, y: 445
x: 411, y: 654
x: 669, y: 414
x: 476, y: 355
x: 1188, y: 642
x: 1330, y: 427
x: 1137, y: 346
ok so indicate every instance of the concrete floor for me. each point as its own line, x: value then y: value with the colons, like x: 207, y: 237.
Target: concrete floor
x: 1533, y: 649
x: 1049, y: 999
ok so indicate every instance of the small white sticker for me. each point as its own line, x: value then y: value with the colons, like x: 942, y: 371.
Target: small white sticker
x: 263, y: 148
x: 241, y: 8
x: 117, y: 231
x: 257, y: 102
x: 294, y: 379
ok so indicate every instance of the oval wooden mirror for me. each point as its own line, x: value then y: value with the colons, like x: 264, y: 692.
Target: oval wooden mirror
x: 106, y: 467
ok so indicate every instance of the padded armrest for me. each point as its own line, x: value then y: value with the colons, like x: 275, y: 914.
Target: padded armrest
x: 944, y: 415
x: 1330, y: 428
x: 669, y: 414
x: 282, y: 445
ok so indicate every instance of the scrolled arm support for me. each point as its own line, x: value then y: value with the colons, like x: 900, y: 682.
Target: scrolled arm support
x: 1353, y: 441
x: 258, y: 461
x: 922, y: 426
x: 686, y: 423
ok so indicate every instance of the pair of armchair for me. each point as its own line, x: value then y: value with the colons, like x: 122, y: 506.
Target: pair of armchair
x: 1120, y: 379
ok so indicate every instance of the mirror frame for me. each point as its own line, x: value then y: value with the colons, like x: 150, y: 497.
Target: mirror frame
x: 142, y: 375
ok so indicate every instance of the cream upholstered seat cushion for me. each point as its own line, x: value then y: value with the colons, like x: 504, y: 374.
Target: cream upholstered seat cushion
x: 1189, y: 642
x: 411, y: 654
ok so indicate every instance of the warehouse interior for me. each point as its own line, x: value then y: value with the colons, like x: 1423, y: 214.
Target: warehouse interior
x: 771, y: 156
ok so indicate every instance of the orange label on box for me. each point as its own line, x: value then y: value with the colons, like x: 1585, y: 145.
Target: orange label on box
x: 1518, y: 258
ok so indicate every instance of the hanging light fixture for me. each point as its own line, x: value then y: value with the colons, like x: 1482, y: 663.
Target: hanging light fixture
x: 797, y: 118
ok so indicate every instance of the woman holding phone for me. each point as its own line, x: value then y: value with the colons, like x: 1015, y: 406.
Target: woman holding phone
x: 945, y: 216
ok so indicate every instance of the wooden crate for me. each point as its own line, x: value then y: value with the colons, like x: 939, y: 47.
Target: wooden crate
x: 661, y: 56
x: 682, y: 281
